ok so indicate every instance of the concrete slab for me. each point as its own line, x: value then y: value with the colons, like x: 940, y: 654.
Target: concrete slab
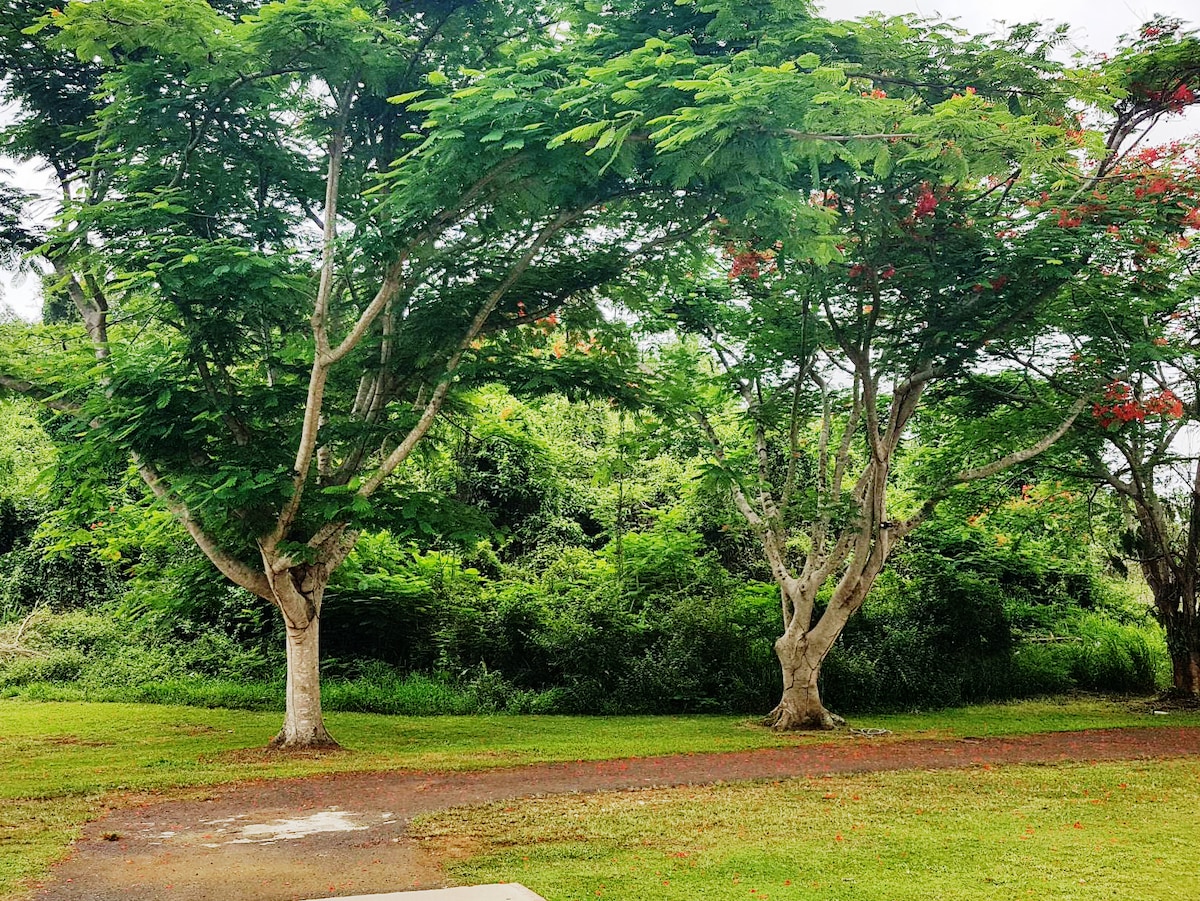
x: 507, y: 891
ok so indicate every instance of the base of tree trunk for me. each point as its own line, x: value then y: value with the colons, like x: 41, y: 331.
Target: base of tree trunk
x: 320, y: 742
x: 789, y: 718
x: 1181, y: 698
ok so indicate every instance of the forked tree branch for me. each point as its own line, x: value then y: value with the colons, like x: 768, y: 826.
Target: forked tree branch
x: 418, y: 431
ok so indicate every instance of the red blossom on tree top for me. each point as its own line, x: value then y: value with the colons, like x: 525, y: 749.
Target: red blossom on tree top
x: 750, y: 262
x: 1182, y: 96
x: 926, y: 202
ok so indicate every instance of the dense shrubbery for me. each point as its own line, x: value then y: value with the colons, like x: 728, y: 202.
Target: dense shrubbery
x: 657, y: 627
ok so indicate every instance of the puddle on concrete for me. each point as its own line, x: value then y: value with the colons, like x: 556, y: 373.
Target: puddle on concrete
x: 332, y: 820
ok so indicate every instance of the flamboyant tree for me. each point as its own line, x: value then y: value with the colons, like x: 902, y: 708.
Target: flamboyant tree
x: 970, y: 232
x: 281, y: 258
x: 1133, y: 328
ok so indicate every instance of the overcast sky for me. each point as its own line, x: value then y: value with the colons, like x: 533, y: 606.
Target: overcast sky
x: 1095, y: 26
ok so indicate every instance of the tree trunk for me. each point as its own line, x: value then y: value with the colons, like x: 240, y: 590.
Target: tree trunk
x: 801, y: 707
x: 1185, y: 666
x: 1177, y: 610
x: 303, y: 724
x: 1183, y: 644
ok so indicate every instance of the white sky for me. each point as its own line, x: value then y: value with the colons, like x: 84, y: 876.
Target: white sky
x: 1095, y: 26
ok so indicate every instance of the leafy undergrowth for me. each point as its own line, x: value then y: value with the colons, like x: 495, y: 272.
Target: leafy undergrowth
x: 1066, y: 832
x: 62, y: 763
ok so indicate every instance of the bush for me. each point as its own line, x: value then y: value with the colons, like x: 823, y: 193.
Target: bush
x: 69, y: 581
x: 60, y: 665
x: 660, y: 628
x: 1117, y: 658
x: 109, y: 656
x: 939, y: 631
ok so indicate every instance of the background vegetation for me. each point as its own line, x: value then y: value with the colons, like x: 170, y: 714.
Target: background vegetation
x: 556, y: 557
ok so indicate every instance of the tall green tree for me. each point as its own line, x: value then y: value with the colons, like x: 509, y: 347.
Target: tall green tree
x: 1134, y: 330
x: 1129, y: 324
x: 289, y: 230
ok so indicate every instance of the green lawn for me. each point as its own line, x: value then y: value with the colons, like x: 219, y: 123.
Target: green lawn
x: 61, y: 764
x: 1114, y: 831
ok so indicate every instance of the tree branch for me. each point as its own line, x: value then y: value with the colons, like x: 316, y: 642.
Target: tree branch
x: 233, y: 569
x: 991, y: 469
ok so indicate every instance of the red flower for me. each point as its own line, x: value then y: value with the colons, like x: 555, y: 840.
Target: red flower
x: 1182, y: 96
x: 926, y: 203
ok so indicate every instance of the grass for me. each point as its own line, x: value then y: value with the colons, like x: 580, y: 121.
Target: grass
x: 1066, y: 832
x: 62, y: 763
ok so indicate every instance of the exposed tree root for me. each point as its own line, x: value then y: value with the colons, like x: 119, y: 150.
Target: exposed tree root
x: 322, y: 741
x: 787, y: 718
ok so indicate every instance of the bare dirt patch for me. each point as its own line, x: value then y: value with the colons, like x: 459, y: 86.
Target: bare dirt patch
x: 346, y: 834
x: 74, y: 741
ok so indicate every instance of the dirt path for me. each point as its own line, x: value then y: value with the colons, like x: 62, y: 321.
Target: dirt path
x: 345, y: 834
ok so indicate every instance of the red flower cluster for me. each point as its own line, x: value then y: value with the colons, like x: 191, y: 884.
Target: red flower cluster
x: 1122, y: 407
x: 1176, y: 100
x: 858, y: 270
x: 750, y: 262
x: 926, y: 202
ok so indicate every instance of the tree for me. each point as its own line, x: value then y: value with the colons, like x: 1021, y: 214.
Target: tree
x: 1130, y: 328
x: 213, y: 140
x: 1142, y: 422
x: 1134, y: 331
x: 977, y: 232
x: 288, y: 230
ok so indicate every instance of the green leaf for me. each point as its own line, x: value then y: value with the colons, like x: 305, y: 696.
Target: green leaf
x: 579, y: 134
x: 405, y: 98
